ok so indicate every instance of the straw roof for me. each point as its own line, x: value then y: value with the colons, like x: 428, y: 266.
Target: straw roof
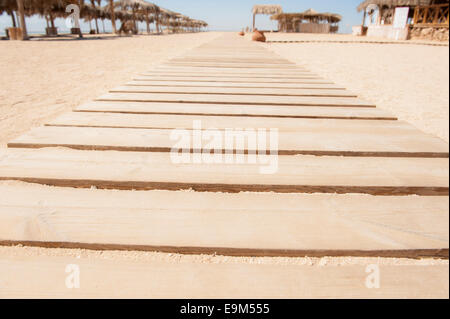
x: 394, y: 3
x: 8, y: 6
x: 137, y: 5
x: 308, y: 14
x: 267, y: 9
x: 119, y: 13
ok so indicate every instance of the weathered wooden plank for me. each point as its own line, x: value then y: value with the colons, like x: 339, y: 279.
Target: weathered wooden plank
x: 288, y: 73
x: 235, y: 99
x: 314, y: 112
x: 230, y: 79
x: 350, y: 225
x: 252, y: 85
x: 203, y: 64
x: 284, y: 174
x: 36, y: 276
x: 234, y: 91
x: 231, y: 69
x: 185, y: 121
x: 226, y: 59
x: 337, y: 139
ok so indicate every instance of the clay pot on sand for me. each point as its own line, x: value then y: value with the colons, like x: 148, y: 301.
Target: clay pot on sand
x: 241, y: 33
x: 258, y: 36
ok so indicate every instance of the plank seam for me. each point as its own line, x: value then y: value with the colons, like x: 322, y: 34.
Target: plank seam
x: 235, y: 103
x: 442, y: 253
x: 379, y: 118
x: 236, y: 188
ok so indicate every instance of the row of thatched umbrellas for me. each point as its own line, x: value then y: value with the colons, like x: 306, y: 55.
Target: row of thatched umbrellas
x: 124, y: 10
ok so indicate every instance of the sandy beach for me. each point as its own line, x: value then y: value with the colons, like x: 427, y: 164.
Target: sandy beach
x: 56, y: 76
x: 395, y: 77
x: 65, y: 74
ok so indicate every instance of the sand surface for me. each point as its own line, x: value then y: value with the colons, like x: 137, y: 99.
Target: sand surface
x: 409, y: 80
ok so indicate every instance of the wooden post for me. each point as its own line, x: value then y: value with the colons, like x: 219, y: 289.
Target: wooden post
x: 364, y: 18
x: 436, y: 16
x: 157, y: 23
x: 23, y: 26
x: 52, y: 21
x: 113, y: 16
x: 13, y: 19
x: 254, y: 17
x: 148, y: 23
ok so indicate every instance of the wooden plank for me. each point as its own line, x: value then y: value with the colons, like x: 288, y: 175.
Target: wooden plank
x: 227, y: 76
x: 354, y: 225
x: 230, y: 79
x: 313, y: 112
x: 235, y: 99
x: 145, y: 82
x: 203, y: 64
x: 257, y: 73
x: 121, y: 275
x: 234, y: 91
x: 231, y: 69
x: 291, y: 174
x: 227, y: 59
x: 185, y: 121
x: 337, y: 139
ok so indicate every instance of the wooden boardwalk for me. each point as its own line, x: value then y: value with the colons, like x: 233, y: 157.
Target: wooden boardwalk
x: 360, y: 182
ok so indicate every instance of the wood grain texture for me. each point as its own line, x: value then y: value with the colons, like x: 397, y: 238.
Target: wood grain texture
x: 235, y: 99
x: 240, y: 85
x: 319, y: 92
x: 44, y: 277
x: 202, y: 78
x: 242, y: 110
x: 337, y: 139
x: 291, y: 174
x: 356, y: 225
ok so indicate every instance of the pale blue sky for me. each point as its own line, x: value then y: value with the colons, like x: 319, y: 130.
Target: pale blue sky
x: 227, y: 15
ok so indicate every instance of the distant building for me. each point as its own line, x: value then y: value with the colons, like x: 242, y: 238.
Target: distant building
x: 266, y: 9
x: 405, y: 19
x: 309, y: 21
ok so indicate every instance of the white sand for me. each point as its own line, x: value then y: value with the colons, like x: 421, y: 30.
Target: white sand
x: 409, y: 80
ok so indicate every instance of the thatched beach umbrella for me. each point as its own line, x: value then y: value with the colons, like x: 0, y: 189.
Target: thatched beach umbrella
x: 112, y: 15
x: 139, y: 9
x: 147, y: 11
x: 166, y: 16
x: 288, y: 21
x: 96, y: 13
x: 267, y: 9
x: 9, y: 6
